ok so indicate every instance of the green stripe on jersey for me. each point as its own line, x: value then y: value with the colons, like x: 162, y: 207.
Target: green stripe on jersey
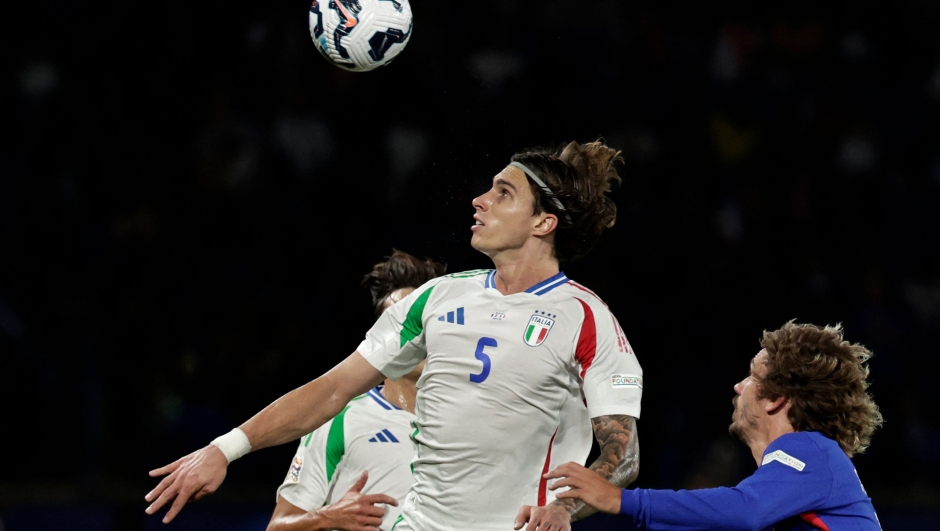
x: 468, y: 274
x: 310, y: 435
x: 397, y: 521
x: 413, y: 326
x: 414, y: 439
x: 335, y: 444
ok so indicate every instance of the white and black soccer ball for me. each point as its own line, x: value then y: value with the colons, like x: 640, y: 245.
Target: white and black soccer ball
x: 360, y: 35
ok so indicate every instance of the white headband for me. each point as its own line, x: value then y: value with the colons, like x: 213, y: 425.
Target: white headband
x: 545, y: 189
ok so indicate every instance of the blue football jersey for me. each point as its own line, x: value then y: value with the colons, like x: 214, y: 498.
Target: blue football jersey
x: 805, y: 482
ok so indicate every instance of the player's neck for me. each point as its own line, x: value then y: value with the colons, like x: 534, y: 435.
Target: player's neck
x: 767, y: 435
x: 519, y: 271
x: 400, y: 393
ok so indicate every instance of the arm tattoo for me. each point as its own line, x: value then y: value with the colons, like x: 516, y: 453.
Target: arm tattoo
x: 619, y: 460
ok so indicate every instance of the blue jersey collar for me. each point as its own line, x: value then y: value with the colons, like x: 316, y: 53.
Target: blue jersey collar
x: 541, y: 288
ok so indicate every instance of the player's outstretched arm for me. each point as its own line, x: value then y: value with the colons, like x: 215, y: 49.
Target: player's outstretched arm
x: 618, y: 464
x: 353, y: 512
x: 288, y: 418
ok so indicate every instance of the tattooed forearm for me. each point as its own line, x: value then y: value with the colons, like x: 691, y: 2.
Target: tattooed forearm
x: 619, y: 460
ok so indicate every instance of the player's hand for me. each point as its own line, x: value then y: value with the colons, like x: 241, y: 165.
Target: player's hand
x: 549, y: 518
x: 356, y: 511
x: 587, y: 486
x: 190, y: 478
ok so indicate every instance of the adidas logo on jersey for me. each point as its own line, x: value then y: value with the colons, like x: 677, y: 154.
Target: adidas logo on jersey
x: 384, y: 436
x: 453, y: 317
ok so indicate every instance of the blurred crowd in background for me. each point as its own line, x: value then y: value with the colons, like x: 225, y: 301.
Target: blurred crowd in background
x: 191, y: 195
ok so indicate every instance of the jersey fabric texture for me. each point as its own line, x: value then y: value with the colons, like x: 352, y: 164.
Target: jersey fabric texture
x: 370, y: 434
x: 500, y: 371
x: 574, y: 437
x: 805, y: 482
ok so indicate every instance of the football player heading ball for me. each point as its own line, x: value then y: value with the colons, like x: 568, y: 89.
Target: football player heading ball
x: 504, y: 348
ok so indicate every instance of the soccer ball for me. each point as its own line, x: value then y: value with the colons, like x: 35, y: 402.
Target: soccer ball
x: 360, y: 35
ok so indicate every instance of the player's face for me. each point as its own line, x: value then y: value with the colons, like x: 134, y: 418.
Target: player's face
x: 747, y: 407
x: 504, y: 218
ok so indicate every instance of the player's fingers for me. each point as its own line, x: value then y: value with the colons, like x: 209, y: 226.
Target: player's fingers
x: 181, y: 499
x: 361, y: 482
x: 369, y: 521
x: 573, y: 493
x: 164, y: 470
x: 379, y: 498
x: 372, y: 511
x: 535, y: 520
x: 559, y: 471
x: 162, y: 486
x: 565, y: 482
x: 523, y: 516
x: 165, y: 495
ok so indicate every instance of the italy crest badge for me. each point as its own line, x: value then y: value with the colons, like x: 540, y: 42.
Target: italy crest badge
x: 537, y: 330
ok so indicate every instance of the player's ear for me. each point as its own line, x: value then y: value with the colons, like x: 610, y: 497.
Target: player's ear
x: 777, y: 405
x: 546, y: 224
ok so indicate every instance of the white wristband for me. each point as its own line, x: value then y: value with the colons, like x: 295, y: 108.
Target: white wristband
x: 233, y: 444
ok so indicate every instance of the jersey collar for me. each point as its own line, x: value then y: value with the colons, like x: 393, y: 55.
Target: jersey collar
x: 541, y: 288
x: 376, y: 394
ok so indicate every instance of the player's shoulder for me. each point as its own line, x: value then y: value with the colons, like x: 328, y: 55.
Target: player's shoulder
x: 373, y: 404
x: 438, y: 285
x: 799, y: 449
x: 581, y: 295
x: 473, y: 277
x: 469, y: 274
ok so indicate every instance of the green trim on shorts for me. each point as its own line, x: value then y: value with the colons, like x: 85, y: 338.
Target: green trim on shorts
x: 399, y: 519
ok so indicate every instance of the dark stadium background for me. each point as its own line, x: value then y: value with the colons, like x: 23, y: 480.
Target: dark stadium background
x: 191, y: 194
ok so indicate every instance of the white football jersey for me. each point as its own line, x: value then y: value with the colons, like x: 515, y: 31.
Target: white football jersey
x: 500, y: 371
x: 574, y: 437
x: 369, y: 434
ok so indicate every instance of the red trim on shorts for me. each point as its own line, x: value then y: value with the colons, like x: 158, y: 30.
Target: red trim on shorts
x: 587, y: 341
x: 543, y: 483
x: 814, y: 521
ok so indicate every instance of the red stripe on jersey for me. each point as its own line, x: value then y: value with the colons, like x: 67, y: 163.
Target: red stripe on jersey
x: 542, y: 335
x: 587, y: 341
x: 543, y: 483
x: 815, y: 521
x: 621, y: 337
x: 582, y: 288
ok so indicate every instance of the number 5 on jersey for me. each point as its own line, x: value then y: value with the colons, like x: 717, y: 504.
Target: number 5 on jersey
x: 482, y: 356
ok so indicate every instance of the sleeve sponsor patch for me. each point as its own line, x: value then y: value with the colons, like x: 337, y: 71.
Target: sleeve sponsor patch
x: 623, y: 380
x: 784, y: 458
x: 294, y: 474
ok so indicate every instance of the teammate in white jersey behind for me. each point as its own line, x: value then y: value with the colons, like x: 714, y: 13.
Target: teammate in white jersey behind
x: 365, y: 449
x: 505, y: 349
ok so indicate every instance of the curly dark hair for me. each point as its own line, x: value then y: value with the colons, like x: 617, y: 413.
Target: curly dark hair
x: 825, y: 378
x: 400, y: 270
x: 579, y: 175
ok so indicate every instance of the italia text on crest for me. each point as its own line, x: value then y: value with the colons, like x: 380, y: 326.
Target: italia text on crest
x: 540, y: 324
